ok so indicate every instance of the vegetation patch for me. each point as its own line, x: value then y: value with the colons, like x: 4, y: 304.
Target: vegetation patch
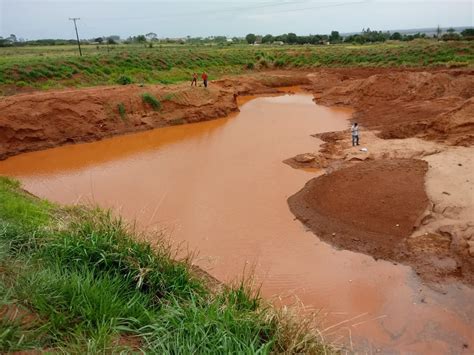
x: 85, y: 284
x: 122, y: 80
x: 122, y: 111
x: 128, y: 63
x: 151, y: 100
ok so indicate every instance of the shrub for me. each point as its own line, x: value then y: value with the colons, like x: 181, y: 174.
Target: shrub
x: 263, y: 63
x: 250, y: 65
x: 122, y: 111
x: 280, y: 62
x: 124, y: 80
x: 152, y: 101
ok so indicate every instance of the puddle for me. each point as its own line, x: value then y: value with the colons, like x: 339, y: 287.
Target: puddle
x: 221, y: 188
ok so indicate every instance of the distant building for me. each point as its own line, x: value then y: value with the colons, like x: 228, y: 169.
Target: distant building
x: 279, y: 43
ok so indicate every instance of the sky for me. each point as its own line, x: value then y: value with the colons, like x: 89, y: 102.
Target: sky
x: 35, y: 19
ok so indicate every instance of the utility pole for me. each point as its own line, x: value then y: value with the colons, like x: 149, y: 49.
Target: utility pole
x: 77, y: 35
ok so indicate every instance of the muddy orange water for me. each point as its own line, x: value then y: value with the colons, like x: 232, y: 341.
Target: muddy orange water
x: 221, y: 188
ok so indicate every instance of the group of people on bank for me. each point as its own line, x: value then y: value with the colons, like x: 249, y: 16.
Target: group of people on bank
x: 203, y: 77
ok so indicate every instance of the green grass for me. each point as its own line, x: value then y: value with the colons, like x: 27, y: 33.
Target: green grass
x: 151, y: 100
x: 122, y: 111
x: 81, y: 282
x: 60, y: 66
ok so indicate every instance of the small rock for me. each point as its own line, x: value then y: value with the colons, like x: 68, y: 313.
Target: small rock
x: 470, y: 245
x: 446, y: 193
x: 305, y: 158
x: 459, y: 164
x: 397, y: 225
x: 334, y: 234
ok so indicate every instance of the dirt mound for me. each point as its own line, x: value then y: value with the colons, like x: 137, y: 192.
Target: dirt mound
x: 369, y: 207
x: 408, y: 104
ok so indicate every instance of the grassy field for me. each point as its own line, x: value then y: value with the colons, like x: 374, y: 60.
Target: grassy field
x: 76, y: 280
x: 60, y: 66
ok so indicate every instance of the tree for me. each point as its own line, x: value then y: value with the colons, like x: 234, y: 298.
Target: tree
x: 99, y: 40
x: 267, y: 39
x: 140, y: 39
x: 111, y: 40
x: 292, y: 38
x: 250, y: 38
x: 12, y: 38
x: 468, y: 33
x: 151, y: 36
x: 220, y: 39
x: 335, y: 37
x: 396, y: 36
x: 451, y: 30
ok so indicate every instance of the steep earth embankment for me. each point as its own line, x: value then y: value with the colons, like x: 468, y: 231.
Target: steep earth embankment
x: 46, y: 119
x: 433, y: 105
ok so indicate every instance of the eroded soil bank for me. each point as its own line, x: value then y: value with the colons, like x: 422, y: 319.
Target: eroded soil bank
x: 41, y: 120
x: 400, y: 103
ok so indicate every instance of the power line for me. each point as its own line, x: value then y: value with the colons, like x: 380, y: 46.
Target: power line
x: 77, y: 34
x: 262, y: 6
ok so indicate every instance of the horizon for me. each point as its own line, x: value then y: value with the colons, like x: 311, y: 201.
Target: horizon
x: 231, y: 19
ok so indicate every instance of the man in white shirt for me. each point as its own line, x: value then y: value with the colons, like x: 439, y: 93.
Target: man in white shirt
x: 355, y: 134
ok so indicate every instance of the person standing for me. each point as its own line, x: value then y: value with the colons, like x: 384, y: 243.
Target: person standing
x: 195, y: 80
x: 355, y: 134
x: 204, y: 79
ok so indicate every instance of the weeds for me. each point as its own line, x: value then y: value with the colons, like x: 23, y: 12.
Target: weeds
x: 122, y: 80
x: 152, y: 101
x: 122, y: 111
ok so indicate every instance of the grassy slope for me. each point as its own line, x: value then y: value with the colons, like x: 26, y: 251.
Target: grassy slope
x: 76, y: 280
x: 60, y: 66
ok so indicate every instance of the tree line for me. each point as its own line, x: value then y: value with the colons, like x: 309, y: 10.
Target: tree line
x: 366, y: 36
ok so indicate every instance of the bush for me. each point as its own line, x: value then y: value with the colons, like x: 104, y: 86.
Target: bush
x: 124, y: 80
x: 122, y: 111
x: 263, y: 63
x: 250, y: 65
x: 280, y: 62
x: 152, y: 101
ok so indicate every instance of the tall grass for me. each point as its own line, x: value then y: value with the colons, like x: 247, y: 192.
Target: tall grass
x: 52, y: 67
x: 152, y: 101
x: 87, y: 285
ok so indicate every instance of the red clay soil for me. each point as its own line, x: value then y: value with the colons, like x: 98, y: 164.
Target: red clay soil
x: 369, y: 207
x: 400, y: 103
x: 373, y: 207
x: 41, y: 120
x: 434, y: 105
